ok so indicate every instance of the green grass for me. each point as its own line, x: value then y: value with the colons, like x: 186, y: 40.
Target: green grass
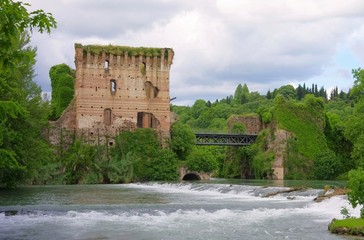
x: 353, y: 226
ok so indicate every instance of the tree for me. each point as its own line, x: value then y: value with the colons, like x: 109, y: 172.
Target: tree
x: 198, y: 107
x: 202, y: 160
x: 287, y: 91
x: 327, y: 166
x: 21, y: 106
x: 269, y: 95
x: 356, y: 185
x: 354, y: 131
x: 182, y: 140
x: 238, y: 94
x: 357, y: 92
x: 14, y: 20
x: 300, y: 91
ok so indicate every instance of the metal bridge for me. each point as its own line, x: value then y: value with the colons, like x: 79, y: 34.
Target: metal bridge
x: 224, y: 139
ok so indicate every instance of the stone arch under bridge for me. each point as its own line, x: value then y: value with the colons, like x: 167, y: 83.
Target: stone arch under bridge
x: 185, y: 174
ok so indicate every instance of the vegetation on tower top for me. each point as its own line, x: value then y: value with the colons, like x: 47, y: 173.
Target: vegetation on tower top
x: 120, y: 50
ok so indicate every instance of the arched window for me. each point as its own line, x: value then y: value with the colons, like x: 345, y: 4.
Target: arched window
x: 112, y: 86
x: 107, y: 116
x: 143, y: 68
x: 106, y: 65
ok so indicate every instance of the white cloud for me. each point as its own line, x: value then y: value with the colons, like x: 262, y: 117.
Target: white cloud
x: 218, y: 44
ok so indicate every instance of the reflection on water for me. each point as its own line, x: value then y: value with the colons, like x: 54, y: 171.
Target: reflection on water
x: 77, y: 194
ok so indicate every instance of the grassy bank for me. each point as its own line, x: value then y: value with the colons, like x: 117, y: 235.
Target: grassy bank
x: 352, y: 226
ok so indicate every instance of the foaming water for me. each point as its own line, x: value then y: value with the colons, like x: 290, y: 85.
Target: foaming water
x: 171, y: 211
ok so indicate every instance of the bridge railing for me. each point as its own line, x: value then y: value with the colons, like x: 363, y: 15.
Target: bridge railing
x: 224, y: 139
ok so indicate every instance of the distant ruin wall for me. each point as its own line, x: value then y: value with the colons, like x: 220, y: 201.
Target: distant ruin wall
x: 277, y: 143
x: 252, y: 123
x: 118, y: 88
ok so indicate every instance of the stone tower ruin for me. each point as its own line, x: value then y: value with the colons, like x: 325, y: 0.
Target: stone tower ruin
x: 119, y: 88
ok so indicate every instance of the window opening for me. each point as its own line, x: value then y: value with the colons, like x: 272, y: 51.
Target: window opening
x: 107, y: 116
x: 143, y: 69
x: 112, y: 86
x: 106, y: 65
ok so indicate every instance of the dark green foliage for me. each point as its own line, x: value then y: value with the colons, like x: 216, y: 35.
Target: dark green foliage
x: 163, y: 167
x: 337, y: 142
x: 120, y: 169
x: 238, y: 128
x: 305, y: 120
x: 136, y: 156
x: 143, y: 142
x: 237, y: 163
x: 62, y: 82
x: 202, y: 160
x: 356, y: 185
x: 182, y: 140
x: 357, y: 91
x: 78, y: 161
x: 22, y: 110
x: 354, y: 131
x: 14, y: 20
x: 262, y: 160
x: 10, y: 171
x: 287, y: 91
x: 327, y: 166
x: 142, y: 154
x: 265, y: 114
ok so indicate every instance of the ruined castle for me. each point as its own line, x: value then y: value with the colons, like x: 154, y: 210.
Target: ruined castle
x: 117, y: 88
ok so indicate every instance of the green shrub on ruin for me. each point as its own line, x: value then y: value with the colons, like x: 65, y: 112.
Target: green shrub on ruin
x: 62, y: 83
x: 305, y: 120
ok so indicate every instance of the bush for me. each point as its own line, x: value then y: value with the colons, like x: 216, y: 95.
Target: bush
x: 182, y: 140
x: 163, y: 167
x: 327, y: 166
x: 10, y: 171
x: 201, y: 160
x: 138, y: 156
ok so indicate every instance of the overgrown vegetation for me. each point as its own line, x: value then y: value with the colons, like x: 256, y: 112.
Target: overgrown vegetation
x: 136, y: 156
x: 325, y: 140
x: 121, y: 50
x: 62, y: 83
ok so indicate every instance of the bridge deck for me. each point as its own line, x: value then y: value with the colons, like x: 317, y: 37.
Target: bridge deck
x: 224, y: 139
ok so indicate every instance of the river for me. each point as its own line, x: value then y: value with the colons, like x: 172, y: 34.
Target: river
x: 217, y: 209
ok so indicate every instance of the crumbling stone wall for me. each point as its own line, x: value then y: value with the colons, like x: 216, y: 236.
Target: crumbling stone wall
x: 252, y: 123
x: 277, y: 142
x: 118, y: 88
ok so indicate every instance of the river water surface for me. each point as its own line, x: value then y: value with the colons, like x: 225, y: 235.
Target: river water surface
x: 217, y: 209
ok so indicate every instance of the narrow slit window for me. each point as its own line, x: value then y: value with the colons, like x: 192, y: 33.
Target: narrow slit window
x: 112, y: 86
x: 106, y: 65
x: 143, y: 69
x: 107, y: 116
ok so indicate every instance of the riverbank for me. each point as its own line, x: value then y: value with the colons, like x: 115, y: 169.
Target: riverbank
x: 350, y: 226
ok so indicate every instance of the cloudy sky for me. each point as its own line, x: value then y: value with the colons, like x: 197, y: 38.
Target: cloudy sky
x: 218, y: 43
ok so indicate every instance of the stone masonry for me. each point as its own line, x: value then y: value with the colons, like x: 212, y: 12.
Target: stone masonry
x: 118, y: 88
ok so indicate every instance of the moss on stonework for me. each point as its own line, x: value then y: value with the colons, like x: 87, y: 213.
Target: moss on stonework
x: 120, y: 50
